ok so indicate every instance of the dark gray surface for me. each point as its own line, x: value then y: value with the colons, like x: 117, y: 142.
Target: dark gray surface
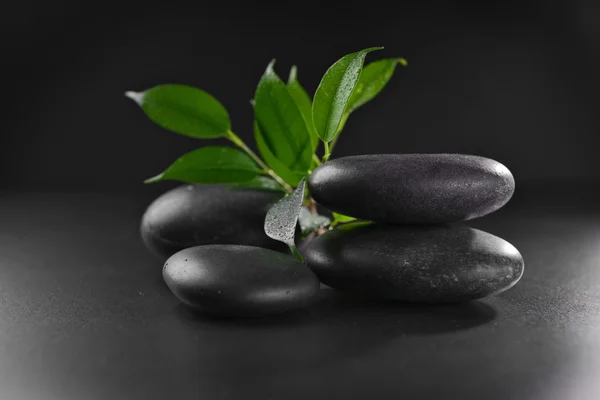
x: 84, y: 314
x: 424, y: 264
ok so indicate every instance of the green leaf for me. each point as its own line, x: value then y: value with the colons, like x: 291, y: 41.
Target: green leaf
x: 210, y: 165
x: 334, y: 92
x: 340, y: 219
x: 185, y: 110
x: 261, y: 183
x: 310, y: 222
x: 304, y: 105
x: 373, y: 79
x: 282, y: 217
x: 289, y: 176
x: 281, y: 123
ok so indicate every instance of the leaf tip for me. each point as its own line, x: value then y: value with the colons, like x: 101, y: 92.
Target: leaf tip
x: 135, y: 96
x: 271, y: 66
x: 402, y: 62
x: 293, y: 74
x: 154, y: 179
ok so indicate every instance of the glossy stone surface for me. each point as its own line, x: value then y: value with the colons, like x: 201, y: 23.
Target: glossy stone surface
x: 231, y: 280
x: 192, y: 215
x: 412, y: 188
x: 415, y: 263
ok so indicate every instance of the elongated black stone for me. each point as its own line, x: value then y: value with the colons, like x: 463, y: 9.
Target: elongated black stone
x: 192, y: 215
x: 231, y: 280
x: 430, y: 264
x: 412, y: 188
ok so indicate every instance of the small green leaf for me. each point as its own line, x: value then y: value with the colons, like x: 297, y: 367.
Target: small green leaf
x: 210, y: 165
x: 373, y: 79
x: 334, y: 92
x: 282, y: 217
x: 290, y: 177
x: 185, y: 110
x: 304, y: 105
x: 261, y: 183
x: 310, y: 222
x: 281, y: 123
x: 340, y: 219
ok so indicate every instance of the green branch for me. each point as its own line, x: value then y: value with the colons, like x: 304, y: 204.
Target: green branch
x: 240, y: 143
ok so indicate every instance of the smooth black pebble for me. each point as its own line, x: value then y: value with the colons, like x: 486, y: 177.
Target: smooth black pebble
x: 192, y: 215
x: 415, y: 263
x: 412, y: 188
x: 240, y: 281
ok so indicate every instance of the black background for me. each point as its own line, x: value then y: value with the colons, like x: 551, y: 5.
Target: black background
x: 514, y: 81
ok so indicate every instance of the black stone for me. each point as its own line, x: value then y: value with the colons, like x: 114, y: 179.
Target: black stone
x: 231, y: 280
x: 414, y: 263
x: 412, y: 188
x: 192, y: 215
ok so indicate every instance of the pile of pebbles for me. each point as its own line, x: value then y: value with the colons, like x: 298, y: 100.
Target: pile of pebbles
x: 409, y: 243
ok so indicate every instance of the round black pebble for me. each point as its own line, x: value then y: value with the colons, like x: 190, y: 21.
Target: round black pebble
x: 192, y: 215
x: 412, y: 188
x: 240, y: 281
x: 415, y: 263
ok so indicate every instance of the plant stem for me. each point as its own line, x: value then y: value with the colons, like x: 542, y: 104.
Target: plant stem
x: 316, y: 160
x: 327, y: 152
x: 295, y: 252
x: 240, y: 143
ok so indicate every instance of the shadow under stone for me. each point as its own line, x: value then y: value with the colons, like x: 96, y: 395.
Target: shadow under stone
x: 335, y: 327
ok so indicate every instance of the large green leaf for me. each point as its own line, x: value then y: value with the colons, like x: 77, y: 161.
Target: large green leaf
x: 372, y: 80
x: 210, y: 165
x: 282, y: 217
x: 289, y: 176
x: 334, y: 92
x: 185, y: 110
x: 304, y: 104
x: 281, y: 123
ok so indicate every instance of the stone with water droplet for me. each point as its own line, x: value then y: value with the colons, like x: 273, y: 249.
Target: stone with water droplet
x: 412, y: 188
x: 242, y: 281
x: 430, y: 264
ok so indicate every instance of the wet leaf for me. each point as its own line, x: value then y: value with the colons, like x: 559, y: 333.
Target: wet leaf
x: 282, y: 126
x: 304, y: 105
x: 282, y: 218
x: 333, y: 94
x: 372, y: 80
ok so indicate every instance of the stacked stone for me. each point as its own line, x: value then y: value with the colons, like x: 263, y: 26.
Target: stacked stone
x: 414, y: 248
x: 408, y: 244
